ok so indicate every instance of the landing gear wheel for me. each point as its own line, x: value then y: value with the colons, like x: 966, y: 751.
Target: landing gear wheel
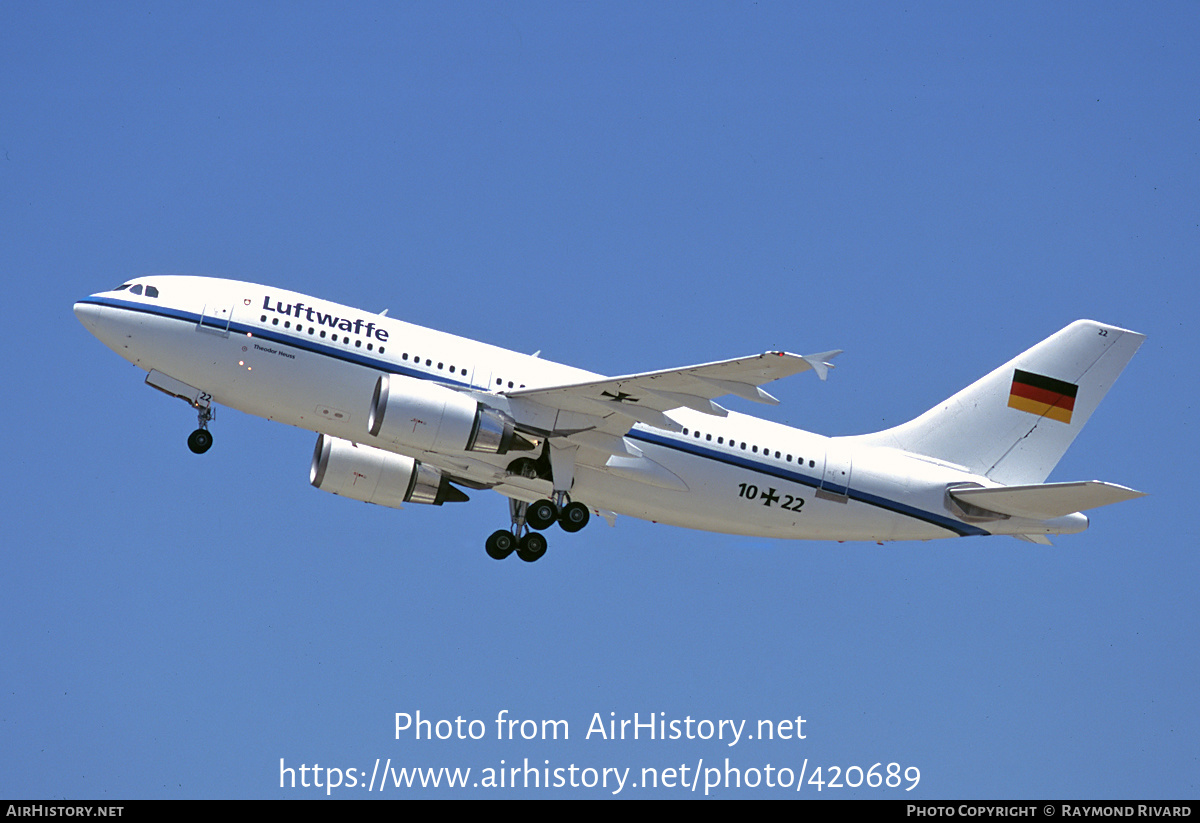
x: 541, y: 515
x: 574, y: 517
x: 533, y: 546
x: 200, y: 441
x: 501, y: 544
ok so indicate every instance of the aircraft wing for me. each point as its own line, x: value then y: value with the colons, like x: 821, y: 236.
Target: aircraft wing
x: 645, y: 397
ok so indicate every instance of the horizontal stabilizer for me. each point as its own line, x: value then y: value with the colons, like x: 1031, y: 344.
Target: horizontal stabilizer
x: 1043, y: 501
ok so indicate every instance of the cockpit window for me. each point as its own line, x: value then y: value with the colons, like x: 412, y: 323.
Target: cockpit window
x: 136, y: 288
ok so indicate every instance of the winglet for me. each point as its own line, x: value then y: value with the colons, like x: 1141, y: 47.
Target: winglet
x: 820, y: 362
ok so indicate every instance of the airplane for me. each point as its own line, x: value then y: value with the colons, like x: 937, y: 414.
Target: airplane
x: 405, y: 414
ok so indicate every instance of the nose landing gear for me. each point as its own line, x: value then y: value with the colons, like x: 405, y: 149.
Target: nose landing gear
x: 201, y: 439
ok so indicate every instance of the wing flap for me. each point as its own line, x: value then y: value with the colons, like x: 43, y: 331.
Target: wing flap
x: 746, y: 391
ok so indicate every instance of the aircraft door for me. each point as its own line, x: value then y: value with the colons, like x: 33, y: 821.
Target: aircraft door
x: 215, y: 318
x: 495, y: 382
x: 467, y: 375
x: 835, y: 480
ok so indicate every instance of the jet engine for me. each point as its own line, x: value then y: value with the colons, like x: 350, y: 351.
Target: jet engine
x: 425, y: 416
x: 377, y: 476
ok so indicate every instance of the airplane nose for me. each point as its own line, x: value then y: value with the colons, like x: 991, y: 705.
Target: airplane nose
x: 89, y: 315
x: 95, y: 318
x: 101, y: 321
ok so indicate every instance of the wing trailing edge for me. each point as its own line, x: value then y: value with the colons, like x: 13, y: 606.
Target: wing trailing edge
x: 648, y: 397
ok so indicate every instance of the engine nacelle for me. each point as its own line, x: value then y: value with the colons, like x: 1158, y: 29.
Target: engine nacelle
x: 425, y: 416
x: 377, y: 476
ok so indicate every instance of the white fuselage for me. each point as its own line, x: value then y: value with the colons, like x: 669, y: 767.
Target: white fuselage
x: 314, y: 364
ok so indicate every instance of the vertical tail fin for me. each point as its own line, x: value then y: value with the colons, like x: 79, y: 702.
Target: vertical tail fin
x: 1015, y: 424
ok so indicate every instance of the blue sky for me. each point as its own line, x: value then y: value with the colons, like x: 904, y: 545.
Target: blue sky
x: 931, y: 187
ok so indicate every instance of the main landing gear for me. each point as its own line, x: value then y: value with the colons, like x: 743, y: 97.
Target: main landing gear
x: 530, y: 518
x: 544, y: 513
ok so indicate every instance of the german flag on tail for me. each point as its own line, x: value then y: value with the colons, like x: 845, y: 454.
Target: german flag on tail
x: 1043, y: 396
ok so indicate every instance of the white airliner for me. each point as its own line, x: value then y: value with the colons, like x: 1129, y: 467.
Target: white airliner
x: 406, y: 414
